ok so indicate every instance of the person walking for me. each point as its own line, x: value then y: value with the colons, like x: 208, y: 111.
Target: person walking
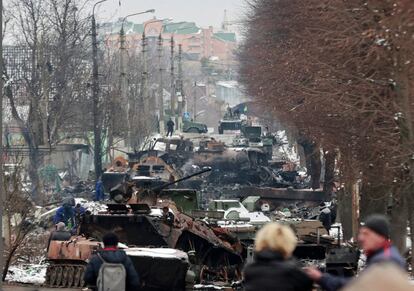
x: 111, y: 269
x: 170, y: 127
x: 99, y: 190
x: 273, y: 267
x: 374, y: 239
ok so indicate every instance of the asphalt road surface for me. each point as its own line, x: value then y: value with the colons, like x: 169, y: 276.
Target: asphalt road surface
x: 34, y: 288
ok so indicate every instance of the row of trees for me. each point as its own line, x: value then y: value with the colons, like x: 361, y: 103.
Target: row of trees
x: 48, y: 77
x: 47, y: 88
x: 340, y: 75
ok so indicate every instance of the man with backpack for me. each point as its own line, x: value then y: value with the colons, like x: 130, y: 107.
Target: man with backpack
x: 111, y: 269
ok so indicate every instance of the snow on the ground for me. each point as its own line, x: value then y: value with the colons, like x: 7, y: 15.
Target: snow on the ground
x: 286, y: 150
x: 200, y: 286
x: 93, y: 206
x: 27, y: 273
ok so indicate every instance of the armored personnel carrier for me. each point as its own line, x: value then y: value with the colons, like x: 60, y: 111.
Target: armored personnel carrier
x: 143, y: 215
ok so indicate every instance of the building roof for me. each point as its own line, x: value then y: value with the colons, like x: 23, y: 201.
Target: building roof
x: 225, y: 36
x: 181, y: 28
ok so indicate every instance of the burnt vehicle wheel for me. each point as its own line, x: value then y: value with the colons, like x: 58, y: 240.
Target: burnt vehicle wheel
x: 193, y: 130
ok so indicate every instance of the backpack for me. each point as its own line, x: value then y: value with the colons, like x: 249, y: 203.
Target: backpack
x: 111, y: 276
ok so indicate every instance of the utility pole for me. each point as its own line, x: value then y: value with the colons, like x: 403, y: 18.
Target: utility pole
x: 144, y: 92
x: 195, y: 101
x: 95, y: 99
x: 123, y: 82
x: 172, y: 76
x: 160, y: 87
x: 2, y: 198
x: 123, y: 74
x: 180, y: 87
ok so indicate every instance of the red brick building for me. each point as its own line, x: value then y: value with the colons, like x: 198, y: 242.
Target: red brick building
x: 197, y: 43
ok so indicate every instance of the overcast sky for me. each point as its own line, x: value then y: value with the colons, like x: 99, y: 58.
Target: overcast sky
x: 203, y: 12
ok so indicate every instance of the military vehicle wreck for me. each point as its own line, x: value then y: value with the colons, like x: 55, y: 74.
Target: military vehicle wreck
x: 143, y: 215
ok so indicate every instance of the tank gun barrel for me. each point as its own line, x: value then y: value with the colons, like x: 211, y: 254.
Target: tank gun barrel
x: 159, y: 188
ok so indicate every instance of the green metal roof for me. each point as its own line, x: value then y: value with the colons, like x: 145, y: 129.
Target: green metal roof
x: 181, y: 28
x: 226, y: 36
x: 138, y: 28
x: 130, y: 27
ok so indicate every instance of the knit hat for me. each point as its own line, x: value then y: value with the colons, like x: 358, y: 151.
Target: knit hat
x: 60, y: 226
x: 379, y: 224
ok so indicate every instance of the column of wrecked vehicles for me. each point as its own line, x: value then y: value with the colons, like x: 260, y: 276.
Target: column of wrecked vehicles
x: 174, y: 244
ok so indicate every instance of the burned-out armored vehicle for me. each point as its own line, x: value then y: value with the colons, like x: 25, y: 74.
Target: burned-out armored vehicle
x: 144, y: 215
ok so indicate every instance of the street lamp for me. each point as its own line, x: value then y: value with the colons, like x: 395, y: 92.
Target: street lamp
x: 178, y: 120
x: 123, y: 80
x: 133, y: 14
x: 145, y: 97
x: 95, y: 99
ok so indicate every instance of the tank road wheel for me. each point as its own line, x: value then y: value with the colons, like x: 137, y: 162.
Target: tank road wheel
x: 48, y: 273
x: 59, y: 271
x: 82, y: 272
x: 52, y: 276
x: 71, y: 275
x: 64, y: 276
x: 77, y: 277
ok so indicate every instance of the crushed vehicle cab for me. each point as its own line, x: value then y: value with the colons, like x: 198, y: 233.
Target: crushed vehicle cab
x: 194, y: 127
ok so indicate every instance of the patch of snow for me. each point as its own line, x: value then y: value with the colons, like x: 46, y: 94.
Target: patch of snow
x: 27, y: 273
x: 200, y: 286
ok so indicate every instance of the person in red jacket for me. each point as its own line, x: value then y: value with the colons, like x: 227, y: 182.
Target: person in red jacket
x: 374, y: 238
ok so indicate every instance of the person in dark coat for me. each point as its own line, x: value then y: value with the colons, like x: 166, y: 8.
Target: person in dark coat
x: 273, y: 267
x: 325, y: 217
x: 111, y: 254
x: 170, y: 127
x: 79, y: 211
x: 168, y: 216
x: 374, y: 238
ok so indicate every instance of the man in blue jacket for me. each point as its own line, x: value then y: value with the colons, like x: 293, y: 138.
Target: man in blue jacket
x: 99, y: 190
x: 66, y: 215
x: 374, y: 239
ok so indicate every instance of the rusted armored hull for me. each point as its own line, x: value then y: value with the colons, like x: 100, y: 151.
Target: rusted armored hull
x: 68, y: 261
x: 186, y: 234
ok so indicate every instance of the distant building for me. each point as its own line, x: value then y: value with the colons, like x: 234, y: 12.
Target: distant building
x: 197, y: 43
x: 230, y: 93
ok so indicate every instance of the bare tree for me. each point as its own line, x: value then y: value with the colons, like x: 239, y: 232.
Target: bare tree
x: 339, y: 71
x: 18, y: 213
x: 54, y: 81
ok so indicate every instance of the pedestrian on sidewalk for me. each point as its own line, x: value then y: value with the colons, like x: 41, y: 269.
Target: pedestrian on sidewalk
x: 111, y: 269
x: 170, y: 127
x: 99, y: 190
x: 374, y: 238
x: 273, y: 267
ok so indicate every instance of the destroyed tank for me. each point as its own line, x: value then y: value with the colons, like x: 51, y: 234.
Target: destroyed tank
x: 136, y: 216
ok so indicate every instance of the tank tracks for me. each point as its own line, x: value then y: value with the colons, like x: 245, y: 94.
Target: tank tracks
x: 65, y: 275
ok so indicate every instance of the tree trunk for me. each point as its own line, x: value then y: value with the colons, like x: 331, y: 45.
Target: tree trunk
x: 34, y: 165
x: 313, y: 160
x: 8, y: 261
x: 345, y: 210
x: 374, y: 199
x: 329, y: 173
x: 399, y: 221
